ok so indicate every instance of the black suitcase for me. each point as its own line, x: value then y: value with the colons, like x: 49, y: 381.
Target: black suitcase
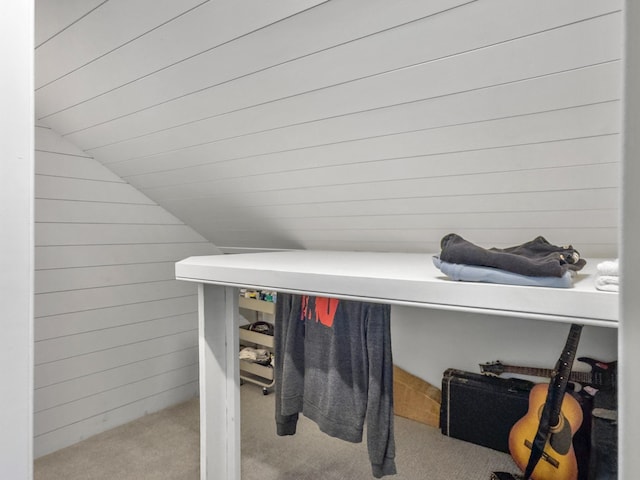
x: 482, y: 409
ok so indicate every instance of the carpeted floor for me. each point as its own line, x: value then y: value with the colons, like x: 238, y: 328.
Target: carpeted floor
x: 165, y: 446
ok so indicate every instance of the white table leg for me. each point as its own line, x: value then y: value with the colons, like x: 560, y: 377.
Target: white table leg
x: 219, y: 383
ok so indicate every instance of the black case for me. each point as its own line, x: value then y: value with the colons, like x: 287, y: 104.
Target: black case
x: 482, y: 409
x: 604, y: 437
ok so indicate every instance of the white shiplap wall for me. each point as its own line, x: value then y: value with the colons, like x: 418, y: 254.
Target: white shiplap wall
x: 352, y: 124
x: 357, y: 125
x: 115, y: 335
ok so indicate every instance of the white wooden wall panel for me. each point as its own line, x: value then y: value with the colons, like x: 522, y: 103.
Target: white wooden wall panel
x: 356, y: 158
x: 528, y: 58
x: 601, y: 198
x: 376, y: 109
x: 98, y: 234
x: 51, y: 142
x: 78, y: 278
x: 530, y: 204
x: 262, y: 49
x: 73, y: 256
x: 554, y: 178
x: 348, y: 164
x: 96, y: 362
x: 49, y: 442
x: 102, y: 297
x: 58, y: 417
x: 202, y: 32
x: 83, y: 343
x: 553, y: 126
x: 54, y: 326
x: 68, y: 391
x: 369, y: 56
x: 60, y: 164
x: 427, y: 167
x: 499, y: 221
x: 53, y: 17
x: 389, y: 142
x: 109, y: 30
x: 62, y: 211
x: 115, y: 333
x: 424, y: 239
x: 77, y: 189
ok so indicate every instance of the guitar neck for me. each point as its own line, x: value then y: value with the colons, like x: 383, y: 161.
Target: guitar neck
x: 580, y: 377
x: 558, y: 384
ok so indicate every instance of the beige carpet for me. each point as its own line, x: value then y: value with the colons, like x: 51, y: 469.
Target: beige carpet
x: 165, y: 446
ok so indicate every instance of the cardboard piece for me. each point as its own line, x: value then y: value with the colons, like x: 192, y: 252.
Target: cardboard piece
x: 415, y: 399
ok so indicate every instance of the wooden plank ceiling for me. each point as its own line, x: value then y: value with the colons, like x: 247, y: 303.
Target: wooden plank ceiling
x: 348, y: 124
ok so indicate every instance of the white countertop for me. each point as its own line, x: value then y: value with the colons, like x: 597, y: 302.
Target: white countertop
x: 402, y: 279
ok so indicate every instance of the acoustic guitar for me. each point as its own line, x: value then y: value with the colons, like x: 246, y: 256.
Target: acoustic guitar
x: 602, y: 376
x: 558, y: 460
x: 541, y: 442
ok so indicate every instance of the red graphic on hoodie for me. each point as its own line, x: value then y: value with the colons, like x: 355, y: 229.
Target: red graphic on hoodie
x: 323, y: 310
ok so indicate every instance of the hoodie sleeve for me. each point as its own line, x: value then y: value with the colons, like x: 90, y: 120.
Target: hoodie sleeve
x: 380, y: 435
x: 283, y: 331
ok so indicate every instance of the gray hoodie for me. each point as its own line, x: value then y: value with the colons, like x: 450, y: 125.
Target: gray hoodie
x: 333, y: 364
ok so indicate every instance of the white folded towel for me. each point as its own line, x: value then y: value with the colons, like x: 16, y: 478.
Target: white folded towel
x: 608, y: 267
x: 259, y: 355
x: 608, y: 283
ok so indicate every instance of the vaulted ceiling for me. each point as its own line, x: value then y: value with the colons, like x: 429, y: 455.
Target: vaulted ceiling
x: 348, y: 124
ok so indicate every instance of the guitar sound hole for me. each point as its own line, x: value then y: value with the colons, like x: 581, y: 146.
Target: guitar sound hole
x: 561, y: 439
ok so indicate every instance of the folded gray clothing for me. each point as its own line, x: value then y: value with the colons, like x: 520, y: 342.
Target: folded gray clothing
x: 537, y: 258
x: 474, y: 273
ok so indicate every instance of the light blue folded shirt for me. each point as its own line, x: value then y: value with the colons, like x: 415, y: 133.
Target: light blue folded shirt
x: 475, y: 273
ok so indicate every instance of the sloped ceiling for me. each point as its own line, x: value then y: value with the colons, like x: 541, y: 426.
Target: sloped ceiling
x: 348, y: 124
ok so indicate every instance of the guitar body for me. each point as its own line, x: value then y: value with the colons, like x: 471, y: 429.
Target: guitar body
x: 558, y: 460
x: 603, y: 375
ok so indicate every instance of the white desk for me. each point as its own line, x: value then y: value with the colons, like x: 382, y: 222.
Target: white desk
x: 394, y: 278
